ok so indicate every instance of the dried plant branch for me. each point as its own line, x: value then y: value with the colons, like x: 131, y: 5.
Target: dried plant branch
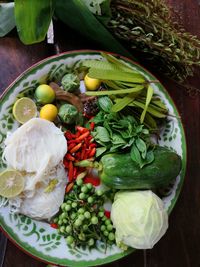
x: 149, y: 27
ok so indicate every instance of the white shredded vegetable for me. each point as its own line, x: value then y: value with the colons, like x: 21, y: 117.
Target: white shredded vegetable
x: 36, y: 149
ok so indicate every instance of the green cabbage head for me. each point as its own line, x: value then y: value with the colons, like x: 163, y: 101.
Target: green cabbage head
x: 139, y: 218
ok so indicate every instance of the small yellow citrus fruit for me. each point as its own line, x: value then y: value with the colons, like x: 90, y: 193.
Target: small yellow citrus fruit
x: 11, y: 183
x: 91, y: 83
x: 48, y: 112
x: 44, y: 94
x: 24, y: 109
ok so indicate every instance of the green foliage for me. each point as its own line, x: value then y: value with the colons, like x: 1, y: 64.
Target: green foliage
x: 77, y: 16
x: 115, y: 132
x: 126, y: 87
x: 149, y: 27
x: 33, y: 19
x: 7, y: 20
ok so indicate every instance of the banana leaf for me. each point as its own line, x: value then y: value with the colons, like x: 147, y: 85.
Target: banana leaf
x: 77, y: 16
x: 32, y: 19
x: 7, y: 18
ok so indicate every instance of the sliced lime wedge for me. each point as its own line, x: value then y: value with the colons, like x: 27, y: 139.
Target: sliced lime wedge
x: 11, y: 183
x: 24, y: 109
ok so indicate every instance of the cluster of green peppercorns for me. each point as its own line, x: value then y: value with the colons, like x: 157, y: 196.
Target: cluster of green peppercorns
x: 81, y: 219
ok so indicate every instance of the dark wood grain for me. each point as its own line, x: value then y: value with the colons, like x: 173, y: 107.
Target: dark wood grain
x: 180, y: 245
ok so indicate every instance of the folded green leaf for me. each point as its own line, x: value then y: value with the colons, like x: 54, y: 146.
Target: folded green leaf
x: 116, y: 75
x: 7, y: 18
x: 99, y: 64
x: 77, y: 16
x: 115, y: 92
x: 148, y: 100
x: 122, y: 102
x: 112, y: 84
x: 119, y: 63
x: 151, y: 110
x: 32, y: 19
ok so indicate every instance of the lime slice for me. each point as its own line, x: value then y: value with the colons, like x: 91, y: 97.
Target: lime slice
x: 11, y: 183
x: 24, y: 109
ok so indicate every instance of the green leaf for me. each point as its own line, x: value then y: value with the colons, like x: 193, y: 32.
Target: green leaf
x: 116, y: 75
x: 112, y: 84
x: 102, y: 134
x: 105, y: 12
x: 100, y: 151
x: 122, y: 102
x: 148, y: 100
x: 135, y: 154
x: 140, y: 145
x: 7, y: 18
x: 118, y: 140
x: 99, y: 64
x: 77, y: 16
x: 119, y: 63
x: 32, y: 19
x: 105, y: 103
x: 149, y: 158
x: 115, y: 92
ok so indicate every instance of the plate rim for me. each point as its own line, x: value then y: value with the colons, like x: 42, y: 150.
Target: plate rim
x: 38, y: 255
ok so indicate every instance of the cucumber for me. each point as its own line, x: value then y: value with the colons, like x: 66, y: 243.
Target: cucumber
x: 119, y: 171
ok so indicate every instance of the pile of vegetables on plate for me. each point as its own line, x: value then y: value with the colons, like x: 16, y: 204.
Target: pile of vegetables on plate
x: 110, y: 119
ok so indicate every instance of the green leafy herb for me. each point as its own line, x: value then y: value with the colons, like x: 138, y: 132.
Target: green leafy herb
x: 105, y: 103
x: 102, y: 134
x: 135, y: 154
x: 121, y: 83
x: 115, y: 132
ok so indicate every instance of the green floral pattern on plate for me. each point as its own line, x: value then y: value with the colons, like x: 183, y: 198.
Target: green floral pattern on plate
x: 38, y: 238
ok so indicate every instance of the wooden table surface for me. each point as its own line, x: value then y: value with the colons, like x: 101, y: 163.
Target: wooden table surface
x: 180, y: 247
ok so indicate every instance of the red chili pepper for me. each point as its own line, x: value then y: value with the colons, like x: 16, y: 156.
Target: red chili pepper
x: 93, y: 180
x: 75, y: 172
x: 78, y: 155
x: 81, y: 129
x: 73, y: 135
x: 68, y: 134
x: 66, y: 163
x: 70, y: 146
x: 78, y: 134
x: 90, y: 137
x: 87, y: 116
x: 92, y: 125
x: 54, y: 225
x: 71, y: 142
x: 92, y: 152
x: 76, y: 148
x: 92, y: 145
x: 83, y: 152
x: 69, y: 157
x: 107, y: 213
x: 70, y: 171
x: 69, y: 187
x: 82, y: 136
